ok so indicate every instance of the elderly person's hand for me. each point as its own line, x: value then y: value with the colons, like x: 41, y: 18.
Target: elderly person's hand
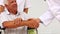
x: 37, y: 19
x: 32, y: 23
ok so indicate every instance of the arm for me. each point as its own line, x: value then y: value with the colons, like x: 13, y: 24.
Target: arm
x: 16, y: 23
x: 12, y: 24
x: 52, y: 12
x: 54, y: 6
x: 9, y: 24
x: 31, y: 23
x: 47, y: 17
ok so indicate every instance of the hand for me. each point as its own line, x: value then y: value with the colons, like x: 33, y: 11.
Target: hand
x: 37, y: 19
x: 33, y: 23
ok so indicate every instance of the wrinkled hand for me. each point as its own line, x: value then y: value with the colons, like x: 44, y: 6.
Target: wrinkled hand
x: 37, y: 19
x: 33, y: 23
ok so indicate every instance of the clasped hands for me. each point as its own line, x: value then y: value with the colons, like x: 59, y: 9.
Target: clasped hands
x: 31, y: 23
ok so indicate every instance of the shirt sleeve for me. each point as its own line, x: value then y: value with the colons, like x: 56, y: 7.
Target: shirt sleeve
x: 2, y: 19
x: 56, y: 1
x: 2, y: 2
x: 46, y: 18
x: 27, y: 4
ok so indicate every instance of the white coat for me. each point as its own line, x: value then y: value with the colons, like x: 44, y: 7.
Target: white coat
x: 52, y: 12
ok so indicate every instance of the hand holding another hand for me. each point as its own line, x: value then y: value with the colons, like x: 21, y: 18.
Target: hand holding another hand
x: 33, y: 22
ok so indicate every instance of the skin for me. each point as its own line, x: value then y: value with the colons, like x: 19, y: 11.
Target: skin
x: 12, y: 6
x: 1, y: 8
x: 31, y: 23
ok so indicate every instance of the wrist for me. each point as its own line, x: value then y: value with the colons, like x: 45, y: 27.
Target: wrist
x: 38, y: 20
x: 23, y: 23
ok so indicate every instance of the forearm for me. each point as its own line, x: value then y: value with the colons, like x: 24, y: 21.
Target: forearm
x: 14, y: 24
x: 9, y: 24
x: 1, y: 8
x: 47, y: 17
x: 31, y: 24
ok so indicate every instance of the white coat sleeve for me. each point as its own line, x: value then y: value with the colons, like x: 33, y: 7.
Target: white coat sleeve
x: 27, y: 4
x: 53, y: 12
x: 2, y: 2
x: 47, y: 17
x: 54, y: 6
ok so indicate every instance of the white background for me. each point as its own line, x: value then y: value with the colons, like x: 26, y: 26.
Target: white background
x: 38, y: 8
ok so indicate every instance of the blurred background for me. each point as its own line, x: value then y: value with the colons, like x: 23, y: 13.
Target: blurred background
x: 38, y: 8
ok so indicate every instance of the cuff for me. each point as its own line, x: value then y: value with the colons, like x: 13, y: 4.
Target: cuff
x: 44, y: 21
x: 1, y: 25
